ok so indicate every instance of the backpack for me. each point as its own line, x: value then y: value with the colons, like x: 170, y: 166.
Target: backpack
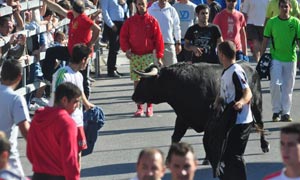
x: 263, y: 66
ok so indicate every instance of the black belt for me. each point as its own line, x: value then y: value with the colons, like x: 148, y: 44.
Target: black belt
x: 42, y: 176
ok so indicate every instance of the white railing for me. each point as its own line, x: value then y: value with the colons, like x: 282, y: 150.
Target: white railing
x: 28, y: 88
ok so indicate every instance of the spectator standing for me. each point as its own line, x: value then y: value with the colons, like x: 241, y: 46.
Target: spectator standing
x: 181, y: 161
x: 150, y: 164
x: 70, y: 73
x: 232, y: 24
x: 139, y: 37
x: 13, y: 110
x: 81, y: 30
x: 290, y: 153
x: 284, y: 59
x: 187, y: 17
x: 170, y: 27
x: 234, y: 88
x: 273, y: 10
x: 254, y: 12
x: 202, y: 38
x: 214, y: 9
x: 52, y: 138
x: 114, y: 13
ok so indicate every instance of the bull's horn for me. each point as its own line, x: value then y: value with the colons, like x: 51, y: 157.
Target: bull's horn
x: 153, y: 72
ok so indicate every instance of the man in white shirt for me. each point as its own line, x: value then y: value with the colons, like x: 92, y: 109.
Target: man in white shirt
x: 13, y: 109
x: 169, y: 22
x: 290, y: 153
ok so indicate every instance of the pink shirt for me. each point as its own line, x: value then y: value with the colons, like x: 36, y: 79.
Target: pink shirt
x: 230, y: 25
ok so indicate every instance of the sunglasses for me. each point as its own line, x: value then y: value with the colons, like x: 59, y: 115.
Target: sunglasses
x: 231, y: 1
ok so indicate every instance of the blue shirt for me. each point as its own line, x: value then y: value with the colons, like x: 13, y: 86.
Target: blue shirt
x: 221, y: 2
x: 113, y: 11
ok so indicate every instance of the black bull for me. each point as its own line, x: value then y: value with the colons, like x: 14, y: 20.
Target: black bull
x: 190, y: 89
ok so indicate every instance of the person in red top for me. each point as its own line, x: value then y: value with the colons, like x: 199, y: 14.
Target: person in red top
x: 52, y: 138
x: 81, y: 30
x: 232, y: 24
x: 140, y: 36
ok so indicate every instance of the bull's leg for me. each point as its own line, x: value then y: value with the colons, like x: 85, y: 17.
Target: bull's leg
x: 264, y: 144
x: 180, y: 129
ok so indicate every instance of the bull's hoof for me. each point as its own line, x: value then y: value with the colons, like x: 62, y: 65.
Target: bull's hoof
x: 265, y: 145
x: 205, y: 162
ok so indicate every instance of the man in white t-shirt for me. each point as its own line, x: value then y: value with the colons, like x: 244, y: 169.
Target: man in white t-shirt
x: 13, y: 109
x: 290, y: 153
x: 255, y: 13
x: 234, y: 88
x: 70, y: 73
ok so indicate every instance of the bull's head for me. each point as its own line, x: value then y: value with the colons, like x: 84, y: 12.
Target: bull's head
x: 148, y: 89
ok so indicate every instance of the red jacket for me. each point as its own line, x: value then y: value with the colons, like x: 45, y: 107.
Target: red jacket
x: 141, y: 34
x: 52, y: 143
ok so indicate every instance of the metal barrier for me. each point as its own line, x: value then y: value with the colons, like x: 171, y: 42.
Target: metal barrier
x: 28, y: 88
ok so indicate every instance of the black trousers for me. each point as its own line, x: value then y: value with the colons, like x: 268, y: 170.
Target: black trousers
x: 114, y: 46
x: 61, y: 53
x: 42, y: 176
x: 235, y: 167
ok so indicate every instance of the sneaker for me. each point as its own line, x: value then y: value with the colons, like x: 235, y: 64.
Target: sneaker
x: 149, y: 112
x: 286, y: 118
x: 276, y: 117
x: 40, y: 101
x: 139, y: 112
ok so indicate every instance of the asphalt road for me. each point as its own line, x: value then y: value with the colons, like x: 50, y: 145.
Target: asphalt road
x: 123, y: 136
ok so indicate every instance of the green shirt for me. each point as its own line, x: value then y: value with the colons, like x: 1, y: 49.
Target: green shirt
x: 273, y: 8
x: 283, y: 34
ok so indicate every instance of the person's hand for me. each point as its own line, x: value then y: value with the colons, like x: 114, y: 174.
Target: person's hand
x: 197, y: 51
x: 160, y: 62
x: 238, y: 106
x: 114, y: 28
x: 178, y: 48
x: 129, y: 54
x: 88, y: 106
x: 13, y: 38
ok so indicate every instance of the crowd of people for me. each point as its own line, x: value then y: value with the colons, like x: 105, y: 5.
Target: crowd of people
x: 159, y: 32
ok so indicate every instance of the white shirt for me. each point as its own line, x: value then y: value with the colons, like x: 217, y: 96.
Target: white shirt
x: 66, y: 74
x: 256, y: 11
x: 168, y: 20
x: 187, y: 15
x: 228, y: 92
x: 280, y: 176
x: 13, y: 110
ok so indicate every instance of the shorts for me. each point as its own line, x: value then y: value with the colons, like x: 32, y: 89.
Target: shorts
x: 169, y: 55
x: 140, y: 62
x: 81, y: 139
x: 255, y: 32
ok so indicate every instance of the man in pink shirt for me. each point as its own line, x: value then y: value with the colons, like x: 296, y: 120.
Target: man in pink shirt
x: 232, y: 24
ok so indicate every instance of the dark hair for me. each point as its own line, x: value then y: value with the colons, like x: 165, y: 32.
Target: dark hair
x: 227, y: 48
x: 179, y: 149
x: 68, y: 90
x: 4, y: 19
x: 11, y: 69
x: 201, y: 7
x: 293, y: 128
x: 283, y: 2
x: 78, y: 6
x: 48, y: 13
x: 79, y: 52
x: 4, y: 143
x: 151, y: 152
x: 65, y: 4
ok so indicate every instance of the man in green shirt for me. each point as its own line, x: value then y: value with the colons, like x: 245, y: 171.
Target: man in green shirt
x: 273, y: 10
x: 284, y: 32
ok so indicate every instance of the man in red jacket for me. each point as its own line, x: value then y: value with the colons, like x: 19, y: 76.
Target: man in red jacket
x: 52, y: 146
x: 140, y: 36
